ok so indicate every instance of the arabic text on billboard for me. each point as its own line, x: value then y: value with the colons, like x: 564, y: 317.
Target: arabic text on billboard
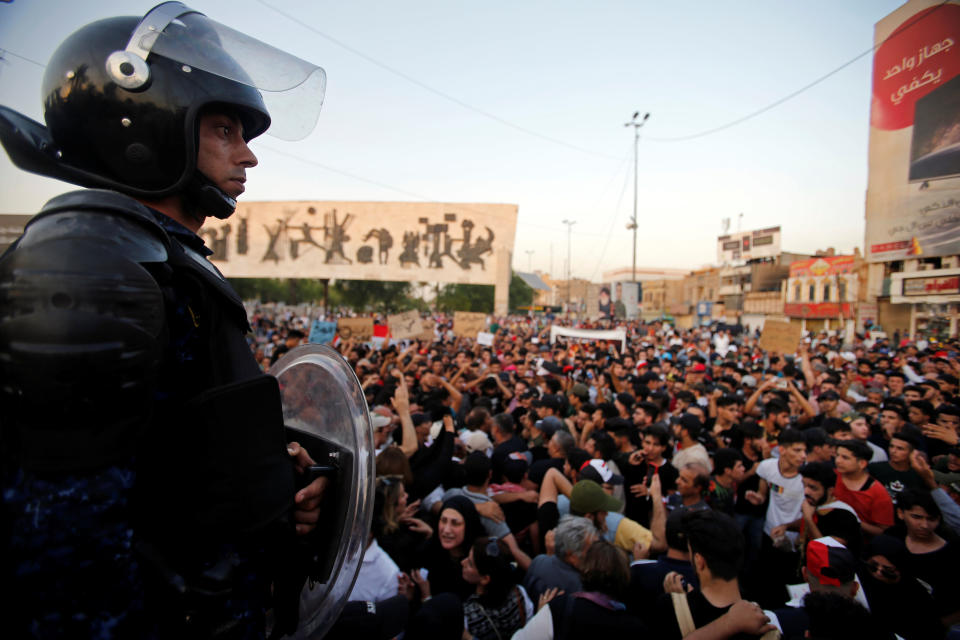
x: 913, y: 192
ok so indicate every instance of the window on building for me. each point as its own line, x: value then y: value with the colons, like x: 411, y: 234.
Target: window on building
x: 796, y: 293
x: 842, y: 290
x: 826, y: 293
x: 812, y: 293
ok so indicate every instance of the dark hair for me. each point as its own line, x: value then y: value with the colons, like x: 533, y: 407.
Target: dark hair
x: 860, y: 450
x: 948, y: 410
x: 822, y: 472
x: 863, y: 405
x: 477, y: 468
x: 577, y: 457
x: 476, y: 418
x: 925, y: 407
x: 497, y: 566
x: 727, y: 400
x: 603, y: 442
x: 676, y: 538
x: 834, y: 616
x: 504, y: 422
x: 716, y: 537
x: 725, y: 459
x: 604, y: 568
x: 910, y: 498
x: 659, y: 432
x: 896, y: 408
x: 835, y: 425
x: 774, y: 407
x: 907, y: 437
x: 791, y: 436
x: 692, y: 425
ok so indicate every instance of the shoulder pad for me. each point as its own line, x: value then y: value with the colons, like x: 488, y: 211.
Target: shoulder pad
x: 113, y: 222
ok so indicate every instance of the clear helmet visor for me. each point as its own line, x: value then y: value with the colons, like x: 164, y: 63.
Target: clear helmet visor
x: 292, y: 89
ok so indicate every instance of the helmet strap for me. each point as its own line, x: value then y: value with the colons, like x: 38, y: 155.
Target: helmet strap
x: 202, y: 198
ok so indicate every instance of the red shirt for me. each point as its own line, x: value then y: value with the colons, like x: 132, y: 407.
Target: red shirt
x: 872, y: 504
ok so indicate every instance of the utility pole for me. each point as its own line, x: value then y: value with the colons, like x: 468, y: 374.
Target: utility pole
x: 569, y: 224
x: 633, y: 221
x: 529, y: 253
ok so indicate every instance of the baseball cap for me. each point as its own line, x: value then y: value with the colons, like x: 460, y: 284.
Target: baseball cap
x: 600, y: 472
x: 379, y: 421
x: 830, y: 562
x: 477, y: 441
x: 580, y: 390
x: 549, y: 425
x: 589, y: 497
x: 698, y: 368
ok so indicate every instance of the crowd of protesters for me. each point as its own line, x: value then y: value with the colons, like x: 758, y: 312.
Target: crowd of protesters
x: 688, y: 485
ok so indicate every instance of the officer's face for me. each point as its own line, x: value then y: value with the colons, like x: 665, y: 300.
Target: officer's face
x: 223, y: 156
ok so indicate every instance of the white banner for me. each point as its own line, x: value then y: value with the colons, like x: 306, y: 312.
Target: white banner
x: 590, y: 335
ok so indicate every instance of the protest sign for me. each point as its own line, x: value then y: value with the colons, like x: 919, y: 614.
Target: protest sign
x: 468, y: 324
x: 405, y: 325
x: 360, y: 329
x: 780, y: 336
x: 322, y: 332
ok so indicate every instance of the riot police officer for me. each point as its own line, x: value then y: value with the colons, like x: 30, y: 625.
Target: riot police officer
x: 148, y: 489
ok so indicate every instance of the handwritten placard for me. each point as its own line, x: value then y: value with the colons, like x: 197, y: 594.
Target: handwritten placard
x: 322, y: 332
x: 468, y: 324
x: 780, y: 336
x: 427, y: 334
x: 360, y: 329
x: 485, y: 338
x: 405, y: 325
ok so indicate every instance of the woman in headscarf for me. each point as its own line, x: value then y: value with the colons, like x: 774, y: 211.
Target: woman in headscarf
x: 457, y: 529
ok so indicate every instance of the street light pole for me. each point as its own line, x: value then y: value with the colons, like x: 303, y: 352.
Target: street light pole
x: 633, y: 221
x: 569, y: 224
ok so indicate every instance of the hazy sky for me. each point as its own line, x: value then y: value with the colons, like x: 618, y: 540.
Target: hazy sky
x: 571, y: 71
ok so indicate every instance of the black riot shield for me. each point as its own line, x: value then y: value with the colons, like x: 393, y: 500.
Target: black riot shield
x: 324, y: 410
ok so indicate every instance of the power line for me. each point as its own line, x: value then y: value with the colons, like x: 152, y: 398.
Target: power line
x: 613, y: 222
x: 790, y: 96
x: 383, y: 185
x: 437, y: 92
x: 5, y: 52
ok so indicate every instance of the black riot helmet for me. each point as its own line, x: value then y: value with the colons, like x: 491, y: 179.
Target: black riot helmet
x: 122, y: 97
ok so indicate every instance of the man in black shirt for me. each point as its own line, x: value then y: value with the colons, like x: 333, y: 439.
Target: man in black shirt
x: 716, y: 550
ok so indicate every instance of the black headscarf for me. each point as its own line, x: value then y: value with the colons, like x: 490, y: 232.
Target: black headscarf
x: 473, y: 527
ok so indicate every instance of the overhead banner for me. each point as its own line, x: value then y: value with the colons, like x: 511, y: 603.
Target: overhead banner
x: 913, y: 190
x: 401, y: 241
x: 589, y: 335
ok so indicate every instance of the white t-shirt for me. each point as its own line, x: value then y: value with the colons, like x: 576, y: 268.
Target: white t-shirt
x: 377, y: 579
x: 786, y: 496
